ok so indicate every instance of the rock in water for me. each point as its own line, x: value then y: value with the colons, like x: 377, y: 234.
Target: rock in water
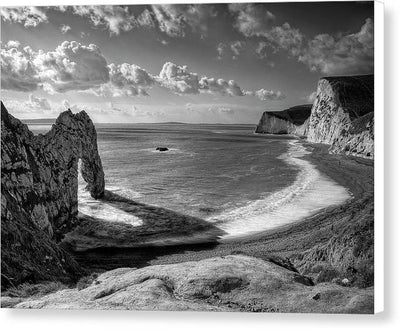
x: 39, y: 202
x: 343, y: 115
x: 162, y: 149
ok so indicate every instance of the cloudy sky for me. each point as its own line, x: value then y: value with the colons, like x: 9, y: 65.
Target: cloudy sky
x: 221, y: 63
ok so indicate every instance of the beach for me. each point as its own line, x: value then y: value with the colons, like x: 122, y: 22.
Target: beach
x: 328, y: 237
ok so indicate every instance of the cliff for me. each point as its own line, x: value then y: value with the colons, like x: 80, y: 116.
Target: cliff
x: 290, y: 121
x: 39, y: 202
x: 343, y: 115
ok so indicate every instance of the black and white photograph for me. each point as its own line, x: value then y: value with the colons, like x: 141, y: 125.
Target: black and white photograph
x: 188, y: 157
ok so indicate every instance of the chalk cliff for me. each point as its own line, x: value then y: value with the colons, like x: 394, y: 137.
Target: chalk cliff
x: 343, y: 115
x: 290, y: 121
x: 39, y: 182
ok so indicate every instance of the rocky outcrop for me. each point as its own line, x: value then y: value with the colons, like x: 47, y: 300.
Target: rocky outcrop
x: 343, y: 115
x: 231, y: 283
x: 290, y: 121
x: 39, y: 202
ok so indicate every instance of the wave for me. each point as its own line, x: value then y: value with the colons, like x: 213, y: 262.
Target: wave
x: 103, y: 211
x: 310, y: 193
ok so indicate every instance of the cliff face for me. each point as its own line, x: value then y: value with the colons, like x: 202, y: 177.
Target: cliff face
x: 291, y: 121
x: 342, y: 115
x: 39, y: 182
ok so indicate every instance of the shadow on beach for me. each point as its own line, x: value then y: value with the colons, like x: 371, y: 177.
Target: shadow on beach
x: 102, y: 245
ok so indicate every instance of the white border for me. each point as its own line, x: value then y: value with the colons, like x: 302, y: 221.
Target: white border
x: 379, y: 157
x: 112, y: 319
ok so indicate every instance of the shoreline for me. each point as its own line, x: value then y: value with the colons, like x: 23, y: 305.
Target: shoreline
x: 295, y: 240
x: 294, y: 203
x: 301, y: 237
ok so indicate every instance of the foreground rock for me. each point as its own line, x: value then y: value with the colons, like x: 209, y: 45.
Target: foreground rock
x: 231, y: 283
x: 343, y: 115
x: 291, y: 121
x: 39, y: 202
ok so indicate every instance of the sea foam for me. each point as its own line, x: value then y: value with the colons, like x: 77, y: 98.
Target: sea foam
x: 310, y: 193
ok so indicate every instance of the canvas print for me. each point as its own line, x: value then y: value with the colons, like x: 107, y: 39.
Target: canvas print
x: 188, y: 157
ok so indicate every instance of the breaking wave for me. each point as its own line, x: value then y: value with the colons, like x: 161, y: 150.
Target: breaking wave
x: 311, y: 192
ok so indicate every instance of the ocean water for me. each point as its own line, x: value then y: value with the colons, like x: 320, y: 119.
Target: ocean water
x: 242, y: 182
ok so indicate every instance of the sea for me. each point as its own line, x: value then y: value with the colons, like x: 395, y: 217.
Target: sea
x: 242, y: 182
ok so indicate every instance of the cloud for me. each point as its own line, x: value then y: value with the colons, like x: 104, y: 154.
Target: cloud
x: 267, y: 95
x: 145, y: 19
x: 262, y: 49
x: 251, y: 19
x: 227, y: 111
x: 38, y: 102
x: 125, y: 80
x: 285, y: 37
x: 345, y: 54
x: 221, y: 86
x: 114, y: 18
x: 232, y: 49
x: 179, y: 79
x: 72, y: 66
x: 175, y: 19
x: 76, y: 67
x: 17, y: 70
x: 64, y: 28
x: 34, y: 106
x: 66, y: 104
x: 28, y: 16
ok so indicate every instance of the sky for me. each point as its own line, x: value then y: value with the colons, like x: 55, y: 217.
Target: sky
x: 196, y: 63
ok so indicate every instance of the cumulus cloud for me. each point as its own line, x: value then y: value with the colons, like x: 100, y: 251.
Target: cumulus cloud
x: 251, y: 19
x: 125, y: 80
x: 267, y: 95
x: 28, y: 16
x: 114, y: 18
x: 76, y: 67
x: 146, y: 19
x: 174, y: 19
x: 179, y: 79
x: 232, y: 49
x: 72, y: 66
x: 345, y: 54
x: 221, y: 86
x: 262, y: 49
x: 17, y: 70
x: 285, y: 37
x: 64, y: 28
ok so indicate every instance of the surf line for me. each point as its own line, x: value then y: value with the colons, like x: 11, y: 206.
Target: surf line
x: 311, y: 192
